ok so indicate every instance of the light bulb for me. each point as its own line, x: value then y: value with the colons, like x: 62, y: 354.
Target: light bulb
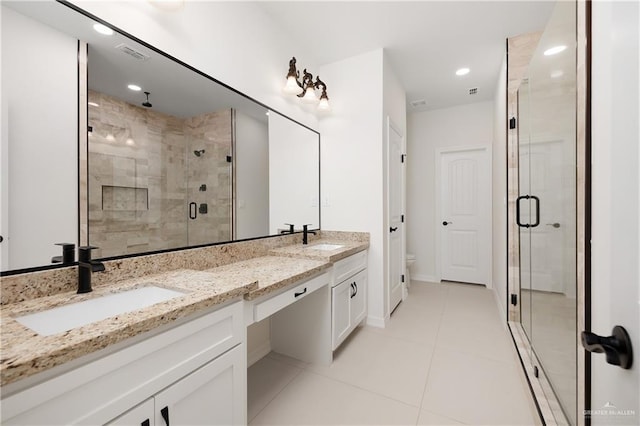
x: 324, y: 104
x: 291, y: 87
x: 310, y: 96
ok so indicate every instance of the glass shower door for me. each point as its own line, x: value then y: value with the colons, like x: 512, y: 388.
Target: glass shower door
x: 209, y: 151
x: 547, y: 154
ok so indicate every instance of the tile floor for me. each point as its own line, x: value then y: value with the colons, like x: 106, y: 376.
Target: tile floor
x: 444, y: 359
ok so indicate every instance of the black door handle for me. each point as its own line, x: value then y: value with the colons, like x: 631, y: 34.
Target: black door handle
x: 537, y: 200
x: 445, y: 223
x: 394, y: 229
x: 522, y: 225
x: 616, y: 347
x: 193, y: 210
x: 165, y: 414
x: 145, y: 423
x: 301, y: 293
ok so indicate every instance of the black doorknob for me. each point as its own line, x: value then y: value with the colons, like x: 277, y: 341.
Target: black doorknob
x: 616, y: 347
x: 445, y: 223
x: 393, y: 229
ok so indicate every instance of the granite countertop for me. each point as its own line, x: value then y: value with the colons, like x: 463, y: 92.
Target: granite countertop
x: 271, y: 272
x: 24, y: 353
x: 308, y: 252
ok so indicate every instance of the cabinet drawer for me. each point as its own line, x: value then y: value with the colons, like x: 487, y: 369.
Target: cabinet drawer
x: 262, y: 310
x: 344, y: 268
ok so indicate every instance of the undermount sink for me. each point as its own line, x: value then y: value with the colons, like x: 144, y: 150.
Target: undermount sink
x: 326, y: 247
x: 68, y: 317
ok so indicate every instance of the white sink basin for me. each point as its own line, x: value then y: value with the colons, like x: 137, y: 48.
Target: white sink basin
x: 326, y: 247
x: 68, y: 317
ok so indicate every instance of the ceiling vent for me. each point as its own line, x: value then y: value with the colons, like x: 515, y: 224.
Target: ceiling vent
x: 419, y: 103
x: 473, y: 91
x: 132, y: 52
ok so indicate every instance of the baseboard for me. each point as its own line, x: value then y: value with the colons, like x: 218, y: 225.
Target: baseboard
x: 376, y: 322
x: 427, y: 278
x: 258, y: 353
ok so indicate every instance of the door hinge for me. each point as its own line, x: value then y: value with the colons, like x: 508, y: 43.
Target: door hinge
x: 229, y: 158
x: 402, y: 218
x: 402, y: 277
x: 514, y: 299
x: 512, y: 123
x: 402, y: 156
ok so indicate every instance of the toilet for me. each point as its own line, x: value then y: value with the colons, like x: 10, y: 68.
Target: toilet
x: 410, y: 260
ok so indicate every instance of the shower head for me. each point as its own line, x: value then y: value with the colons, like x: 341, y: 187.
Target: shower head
x: 198, y: 152
x: 147, y: 103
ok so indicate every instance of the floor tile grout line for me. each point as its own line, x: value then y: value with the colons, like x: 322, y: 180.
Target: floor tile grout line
x: 333, y: 379
x: 433, y: 353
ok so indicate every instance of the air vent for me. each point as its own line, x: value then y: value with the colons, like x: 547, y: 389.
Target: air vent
x: 419, y: 103
x: 132, y: 52
x: 473, y: 91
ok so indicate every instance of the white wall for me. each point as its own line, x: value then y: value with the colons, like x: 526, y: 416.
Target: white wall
x: 615, y: 251
x: 39, y: 202
x: 499, y: 185
x: 234, y: 42
x: 352, y: 161
x: 465, y: 125
x: 293, y: 175
x: 251, y: 167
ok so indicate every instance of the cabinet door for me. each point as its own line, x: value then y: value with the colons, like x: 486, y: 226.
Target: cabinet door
x: 140, y: 415
x: 341, y: 311
x: 359, y: 299
x: 215, y: 394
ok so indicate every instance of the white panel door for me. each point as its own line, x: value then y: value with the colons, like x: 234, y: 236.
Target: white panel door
x: 615, y: 251
x: 465, y: 218
x: 395, y: 162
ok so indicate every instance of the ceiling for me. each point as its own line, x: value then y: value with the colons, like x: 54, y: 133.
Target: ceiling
x: 425, y: 41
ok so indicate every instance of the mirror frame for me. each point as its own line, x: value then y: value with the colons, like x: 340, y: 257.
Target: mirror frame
x: 82, y: 115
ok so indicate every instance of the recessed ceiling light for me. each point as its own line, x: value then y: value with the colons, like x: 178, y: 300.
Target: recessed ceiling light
x: 103, y: 29
x: 134, y: 87
x: 93, y: 104
x: 463, y: 71
x: 557, y: 73
x: 554, y: 50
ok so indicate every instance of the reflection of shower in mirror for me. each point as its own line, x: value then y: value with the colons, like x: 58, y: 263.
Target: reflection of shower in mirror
x: 198, y: 152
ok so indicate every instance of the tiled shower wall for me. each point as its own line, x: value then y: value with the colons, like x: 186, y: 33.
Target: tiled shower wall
x: 142, y: 174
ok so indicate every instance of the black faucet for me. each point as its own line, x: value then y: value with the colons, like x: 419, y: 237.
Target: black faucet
x: 305, y: 233
x: 86, y: 267
x: 289, y: 231
x: 68, y: 254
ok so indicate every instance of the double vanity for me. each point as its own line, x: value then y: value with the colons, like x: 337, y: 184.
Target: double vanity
x: 171, y: 346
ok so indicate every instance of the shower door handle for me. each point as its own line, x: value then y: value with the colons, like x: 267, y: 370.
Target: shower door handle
x: 520, y: 224
x: 193, y: 210
x: 537, y: 200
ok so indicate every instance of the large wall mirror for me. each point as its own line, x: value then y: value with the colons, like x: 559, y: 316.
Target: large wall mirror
x: 87, y: 158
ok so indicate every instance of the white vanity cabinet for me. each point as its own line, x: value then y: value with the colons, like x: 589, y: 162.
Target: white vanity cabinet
x: 196, y: 371
x: 348, y: 296
x: 210, y: 395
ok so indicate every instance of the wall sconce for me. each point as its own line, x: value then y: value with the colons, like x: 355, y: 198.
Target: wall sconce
x: 306, y: 90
